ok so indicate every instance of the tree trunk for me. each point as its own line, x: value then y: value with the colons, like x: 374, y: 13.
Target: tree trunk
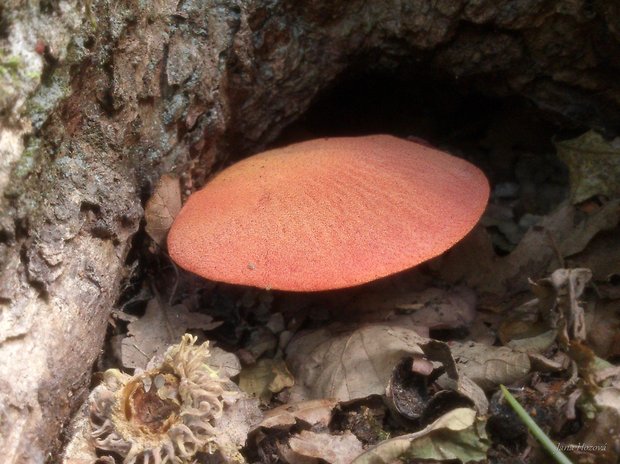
x: 97, y: 99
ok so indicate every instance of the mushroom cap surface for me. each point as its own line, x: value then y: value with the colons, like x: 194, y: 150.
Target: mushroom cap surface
x: 328, y: 213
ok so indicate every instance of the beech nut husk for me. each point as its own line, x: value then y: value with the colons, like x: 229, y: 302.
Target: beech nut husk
x: 166, y: 414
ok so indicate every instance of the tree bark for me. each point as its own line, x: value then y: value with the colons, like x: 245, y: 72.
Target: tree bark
x: 128, y: 90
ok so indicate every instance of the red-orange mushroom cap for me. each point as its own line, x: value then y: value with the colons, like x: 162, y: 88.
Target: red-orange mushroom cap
x: 328, y: 213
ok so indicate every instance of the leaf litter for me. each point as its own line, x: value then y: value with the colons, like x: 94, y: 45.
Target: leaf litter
x: 160, y: 326
x: 342, y: 379
x: 335, y: 449
x: 458, y: 434
x: 594, y: 165
x: 348, y: 365
x: 266, y: 377
x: 313, y: 413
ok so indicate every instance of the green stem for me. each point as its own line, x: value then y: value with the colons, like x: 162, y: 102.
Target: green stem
x: 544, y: 440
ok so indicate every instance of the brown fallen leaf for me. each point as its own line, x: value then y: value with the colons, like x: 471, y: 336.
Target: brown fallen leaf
x: 266, y: 377
x: 585, y: 227
x: 563, y: 233
x: 558, y: 300
x: 233, y: 426
x: 434, y: 308
x: 534, y: 345
x: 159, y: 327
x: 593, y: 163
x: 349, y: 364
x: 162, y: 208
x: 602, y: 256
x: 485, y: 326
x: 224, y: 363
x: 333, y: 449
x: 457, y: 435
x: 603, y: 327
x: 314, y: 413
x: 600, y: 429
x: 489, y: 366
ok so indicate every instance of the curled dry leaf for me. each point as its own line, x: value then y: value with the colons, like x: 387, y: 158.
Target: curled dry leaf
x: 162, y: 208
x: 159, y: 327
x: 455, y: 435
x: 558, y: 301
x: 558, y: 363
x: 454, y: 379
x: 408, y: 395
x: 586, y: 227
x: 333, y: 449
x: 351, y: 364
x: 535, y: 344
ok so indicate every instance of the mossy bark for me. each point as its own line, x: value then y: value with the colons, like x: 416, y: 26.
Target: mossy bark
x: 128, y: 90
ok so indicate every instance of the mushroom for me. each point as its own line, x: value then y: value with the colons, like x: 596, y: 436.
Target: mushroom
x: 328, y: 213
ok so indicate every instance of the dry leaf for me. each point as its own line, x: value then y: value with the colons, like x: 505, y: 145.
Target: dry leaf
x: 488, y: 366
x: 602, y: 256
x: 162, y: 208
x: 484, y: 328
x: 288, y: 456
x: 558, y: 363
x: 333, y: 449
x: 161, y: 326
x: 586, y: 227
x: 455, y: 435
x: 434, y: 308
x: 261, y: 341
x: 266, y: 377
x: 348, y: 365
x: 558, y: 301
x: 227, y: 364
x: 603, y: 327
x: 593, y: 163
x: 566, y: 231
x: 600, y: 429
x: 234, y: 425
x: 537, y: 344
x: 314, y: 412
